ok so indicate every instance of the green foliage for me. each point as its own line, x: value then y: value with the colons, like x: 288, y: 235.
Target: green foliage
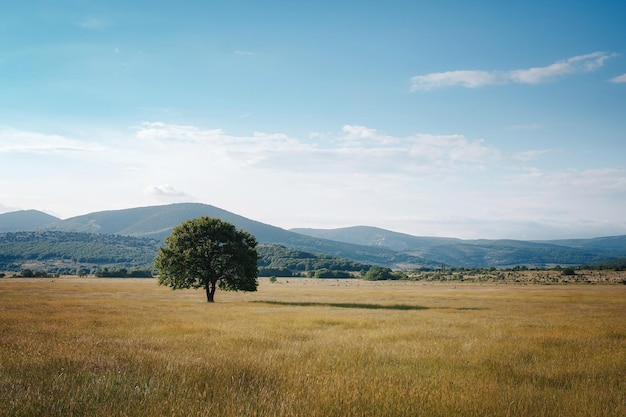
x: 55, y: 250
x: 278, y: 259
x: 29, y: 273
x: 331, y: 273
x: 379, y: 273
x: 123, y: 273
x: 618, y: 264
x: 279, y: 272
x: 206, y: 253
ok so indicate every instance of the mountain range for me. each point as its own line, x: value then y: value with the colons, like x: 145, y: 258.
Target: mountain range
x: 359, y: 243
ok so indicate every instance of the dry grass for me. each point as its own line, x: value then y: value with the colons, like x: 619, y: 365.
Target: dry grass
x: 297, y: 347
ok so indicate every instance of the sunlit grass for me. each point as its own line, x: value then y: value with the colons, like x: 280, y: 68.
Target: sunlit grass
x: 301, y: 347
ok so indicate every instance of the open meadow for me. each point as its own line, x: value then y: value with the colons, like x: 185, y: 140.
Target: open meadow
x: 306, y: 347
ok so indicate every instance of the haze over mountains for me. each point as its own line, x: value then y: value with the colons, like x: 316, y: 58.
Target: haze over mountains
x: 360, y: 243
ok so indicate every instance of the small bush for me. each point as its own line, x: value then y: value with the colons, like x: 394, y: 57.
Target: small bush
x: 568, y: 271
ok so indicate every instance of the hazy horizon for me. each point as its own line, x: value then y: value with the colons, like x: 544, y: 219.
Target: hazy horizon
x: 488, y: 120
x: 330, y: 228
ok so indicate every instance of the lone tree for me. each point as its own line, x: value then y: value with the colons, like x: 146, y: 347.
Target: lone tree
x: 207, y: 253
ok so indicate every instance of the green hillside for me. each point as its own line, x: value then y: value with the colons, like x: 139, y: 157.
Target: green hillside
x: 65, y: 252
x: 374, y: 236
x: 25, y: 220
x: 279, y: 260
x: 480, y: 253
x: 157, y: 222
x: 613, y: 245
x: 361, y: 244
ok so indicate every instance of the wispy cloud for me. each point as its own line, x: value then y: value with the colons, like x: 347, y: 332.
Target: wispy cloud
x: 166, y: 192
x: 241, y: 52
x: 575, y: 182
x: 19, y: 141
x: 184, y: 133
x: 94, y: 23
x: 353, y: 168
x: 531, y: 155
x: 535, y: 75
x: 619, y: 79
x: 356, y: 149
x: 469, y: 79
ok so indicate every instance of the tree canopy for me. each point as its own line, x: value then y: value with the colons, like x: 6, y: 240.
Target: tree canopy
x: 208, y: 253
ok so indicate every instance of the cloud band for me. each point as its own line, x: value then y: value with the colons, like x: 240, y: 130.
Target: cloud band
x: 536, y: 75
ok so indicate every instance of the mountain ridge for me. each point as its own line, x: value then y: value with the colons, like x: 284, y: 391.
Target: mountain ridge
x: 359, y: 243
x: 481, y: 252
x: 14, y: 221
x: 157, y: 222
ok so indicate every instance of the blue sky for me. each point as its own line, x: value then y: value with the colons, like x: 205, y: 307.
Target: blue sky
x: 482, y: 120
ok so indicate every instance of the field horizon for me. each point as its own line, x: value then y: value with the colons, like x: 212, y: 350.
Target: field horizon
x: 312, y: 347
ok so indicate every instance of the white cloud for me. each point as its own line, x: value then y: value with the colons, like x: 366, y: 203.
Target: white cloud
x: 470, y: 79
x: 244, y: 53
x: 359, y: 132
x: 354, y: 175
x: 619, y: 79
x: 355, y: 151
x: 531, y: 155
x: 19, y: 141
x: 577, y: 64
x: 595, y: 191
x: 475, y: 79
x: 166, y: 193
x: 159, y: 130
x: 355, y: 134
x: 94, y: 23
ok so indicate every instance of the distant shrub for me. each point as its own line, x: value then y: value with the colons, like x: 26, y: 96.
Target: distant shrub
x: 329, y: 273
x: 29, y: 273
x: 123, y: 273
x: 378, y: 273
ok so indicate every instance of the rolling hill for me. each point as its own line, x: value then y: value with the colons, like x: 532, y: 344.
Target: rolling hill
x: 66, y: 251
x: 25, y: 220
x: 157, y: 222
x: 368, y: 245
x: 480, y: 253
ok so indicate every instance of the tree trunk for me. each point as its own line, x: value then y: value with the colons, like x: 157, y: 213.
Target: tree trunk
x: 210, y: 292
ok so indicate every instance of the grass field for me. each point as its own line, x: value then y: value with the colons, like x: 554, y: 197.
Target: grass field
x: 300, y: 347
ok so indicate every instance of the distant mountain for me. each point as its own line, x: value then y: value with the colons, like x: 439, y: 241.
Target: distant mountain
x: 25, y: 220
x: 368, y: 245
x: 67, y: 252
x: 374, y: 236
x: 509, y: 253
x: 157, y: 222
x: 480, y: 253
x: 613, y: 245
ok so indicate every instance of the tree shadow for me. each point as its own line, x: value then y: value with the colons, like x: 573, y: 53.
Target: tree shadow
x: 360, y: 305
x: 345, y: 305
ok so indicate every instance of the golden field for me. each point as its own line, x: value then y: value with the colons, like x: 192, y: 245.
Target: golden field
x: 306, y: 347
